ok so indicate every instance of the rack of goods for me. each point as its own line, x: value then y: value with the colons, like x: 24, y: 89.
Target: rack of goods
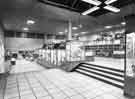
x: 109, y: 45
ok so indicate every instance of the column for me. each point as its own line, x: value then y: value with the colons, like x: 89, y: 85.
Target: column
x: 69, y: 30
x: 129, y: 86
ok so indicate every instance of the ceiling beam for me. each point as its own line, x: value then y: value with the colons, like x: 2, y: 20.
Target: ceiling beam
x: 58, y: 5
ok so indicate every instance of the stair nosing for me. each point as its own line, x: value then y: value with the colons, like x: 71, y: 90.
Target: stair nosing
x: 106, y: 76
x: 103, y: 70
x: 113, y: 69
x: 106, y: 81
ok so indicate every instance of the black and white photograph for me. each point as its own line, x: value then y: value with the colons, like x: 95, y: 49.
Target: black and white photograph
x: 67, y: 49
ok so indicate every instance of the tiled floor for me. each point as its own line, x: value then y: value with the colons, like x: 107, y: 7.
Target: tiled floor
x: 54, y: 84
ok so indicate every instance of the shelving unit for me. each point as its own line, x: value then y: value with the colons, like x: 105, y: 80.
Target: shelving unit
x: 112, y: 47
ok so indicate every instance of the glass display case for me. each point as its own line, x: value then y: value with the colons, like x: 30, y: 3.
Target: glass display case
x: 75, y: 51
x: 62, y: 53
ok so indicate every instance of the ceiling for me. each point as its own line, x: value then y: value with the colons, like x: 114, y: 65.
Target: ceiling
x: 81, y: 6
x: 51, y: 18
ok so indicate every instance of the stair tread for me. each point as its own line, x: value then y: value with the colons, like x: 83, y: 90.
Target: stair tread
x: 103, y: 73
x: 101, y: 77
x: 108, y: 70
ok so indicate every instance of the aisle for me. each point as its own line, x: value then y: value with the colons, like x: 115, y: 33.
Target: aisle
x: 25, y: 66
x: 53, y: 84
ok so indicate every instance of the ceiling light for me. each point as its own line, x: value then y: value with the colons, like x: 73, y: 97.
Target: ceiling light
x: 110, y: 1
x: 123, y: 23
x: 61, y: 33
x: 108, y: 27
x: 30, y: 22
x: 90, y: 10
x: 84, y: 32
x: 76, y: 34
x: 25, y: 29
x: 94, y: 2
x: 74, y: 28
x: 111, y: 8
x: 66, y: 30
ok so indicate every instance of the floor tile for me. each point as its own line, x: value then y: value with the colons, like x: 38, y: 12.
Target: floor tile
x: 77, y: 97
x: 13, y: 95
x: 28, y: 97
x: 59, y: 95
x: 70, y: 92
x: 25, y: 92
x: 46, y: 97
x: 53, y: 91
x: 41, y: 93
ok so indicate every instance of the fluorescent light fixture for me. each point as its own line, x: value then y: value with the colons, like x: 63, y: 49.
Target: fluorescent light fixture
x: 94, y: 2
x: 110, y: 1
x: 90, y: 10
x: 111, y: 8
x: 108, y: 27
x: 123, y: 23
x: 30, y: 22
x: 25, y: 29
x: 74, y: 28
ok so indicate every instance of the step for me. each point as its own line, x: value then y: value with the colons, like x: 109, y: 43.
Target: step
x: 101, y: 78
x: 120, y: 74
x: 108, y: 68
x: 121, y: 79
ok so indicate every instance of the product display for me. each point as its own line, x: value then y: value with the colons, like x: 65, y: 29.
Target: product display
x: 108, y: 44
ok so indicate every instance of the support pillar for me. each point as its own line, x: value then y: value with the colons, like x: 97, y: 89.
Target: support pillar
x: 129, y: 86
x: 69, y: 30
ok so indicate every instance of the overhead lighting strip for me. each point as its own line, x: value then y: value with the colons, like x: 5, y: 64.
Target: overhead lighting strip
x: 111, y: 8
x: 110, y: 1
x: 94, y: 2
x: 98, y: 3
x: 90, y: 10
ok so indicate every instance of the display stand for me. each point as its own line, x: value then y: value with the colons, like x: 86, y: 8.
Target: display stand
x: 75, y: 54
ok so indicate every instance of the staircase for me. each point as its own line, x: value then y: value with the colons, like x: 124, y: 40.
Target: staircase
x: 108, y: 75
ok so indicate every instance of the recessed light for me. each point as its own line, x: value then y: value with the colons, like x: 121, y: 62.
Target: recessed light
x: 108, y: 27
x: 29, y: 22
x: 123, y: 23
x: 76, y: 34
x: 61, y: 33
x: 25, y: 29
x: 74, y: 28
x: 84, y: 32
